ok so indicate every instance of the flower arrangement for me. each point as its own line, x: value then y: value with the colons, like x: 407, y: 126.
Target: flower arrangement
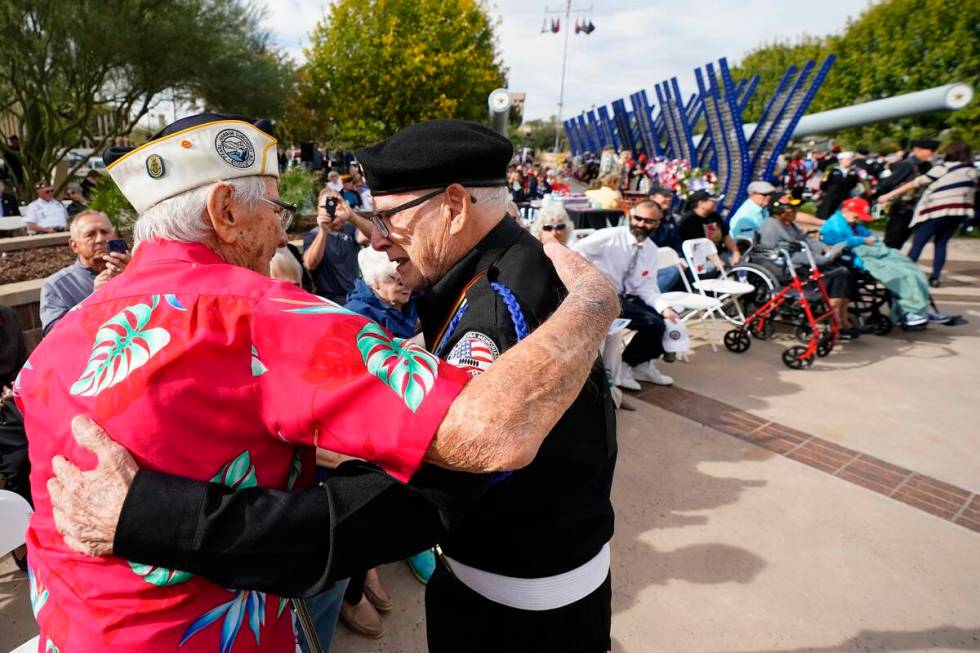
x: 680, y: 177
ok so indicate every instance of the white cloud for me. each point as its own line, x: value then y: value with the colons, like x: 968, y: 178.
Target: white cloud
x: 636, y: 44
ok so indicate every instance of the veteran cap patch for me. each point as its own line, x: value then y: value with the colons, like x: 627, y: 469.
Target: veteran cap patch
x: 190, y: 153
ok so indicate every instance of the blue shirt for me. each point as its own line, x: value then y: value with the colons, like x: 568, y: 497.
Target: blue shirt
x: 334, y: 276
x: 747, y: 220
x: 63, y: 290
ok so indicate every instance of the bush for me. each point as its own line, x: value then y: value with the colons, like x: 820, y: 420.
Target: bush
x: 107, y: 198
x: 299, y: 186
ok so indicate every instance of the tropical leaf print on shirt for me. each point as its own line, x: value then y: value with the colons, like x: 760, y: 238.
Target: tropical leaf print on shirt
x: 236, y: 474
x: 322, y: 307
x: 408, y: 369
x: 245, y: 604
x: 160, y: 576
x: 258, y: 367
x: 39, y: 593
x: 122, y: 344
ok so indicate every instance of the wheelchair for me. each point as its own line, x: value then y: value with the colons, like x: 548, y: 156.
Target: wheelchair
x: 800, y: 303
x: 869, y: 309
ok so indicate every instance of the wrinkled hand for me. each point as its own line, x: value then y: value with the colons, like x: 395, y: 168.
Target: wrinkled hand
x: 885, y: 199
x: 584, y: 279
x: 670, y: 314
x: 87, y: 505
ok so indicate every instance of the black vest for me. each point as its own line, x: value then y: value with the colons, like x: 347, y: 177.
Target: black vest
x: 555, y: 514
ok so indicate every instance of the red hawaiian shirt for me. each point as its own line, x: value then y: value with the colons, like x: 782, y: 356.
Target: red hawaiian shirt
x: 209, y: 371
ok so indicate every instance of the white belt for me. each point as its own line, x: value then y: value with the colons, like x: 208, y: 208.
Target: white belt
x: 545, y: 593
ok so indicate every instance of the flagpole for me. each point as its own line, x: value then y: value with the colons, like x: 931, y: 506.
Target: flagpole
x: 564, y: 62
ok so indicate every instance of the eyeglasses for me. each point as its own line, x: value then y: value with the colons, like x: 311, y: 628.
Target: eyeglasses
x: 285, y: 212
x: 378, y: 218
x: 561, y: 226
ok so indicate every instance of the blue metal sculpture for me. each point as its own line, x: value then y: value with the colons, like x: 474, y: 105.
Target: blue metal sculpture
x: 719, y: 103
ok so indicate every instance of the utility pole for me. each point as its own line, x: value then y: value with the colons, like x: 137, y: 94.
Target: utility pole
x: 564, y: 59
x: 564, y: 62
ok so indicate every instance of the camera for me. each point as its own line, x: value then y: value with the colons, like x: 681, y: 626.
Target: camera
x: 331, y: 206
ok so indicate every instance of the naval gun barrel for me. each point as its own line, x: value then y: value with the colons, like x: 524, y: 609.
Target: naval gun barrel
x: 949, y: 97
x: 499, y: 103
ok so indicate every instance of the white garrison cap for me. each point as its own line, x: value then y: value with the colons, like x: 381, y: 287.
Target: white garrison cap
x: 190, y: 153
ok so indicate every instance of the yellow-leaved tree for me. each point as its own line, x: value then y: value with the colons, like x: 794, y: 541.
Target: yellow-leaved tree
x: 376, y: 66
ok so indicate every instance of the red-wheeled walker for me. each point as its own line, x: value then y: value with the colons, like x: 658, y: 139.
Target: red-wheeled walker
x: 824, y: 329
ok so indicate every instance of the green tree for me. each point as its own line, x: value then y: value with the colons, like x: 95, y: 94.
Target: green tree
x: 78, y: 73
x: 376, y: 66
x: 893, y: 47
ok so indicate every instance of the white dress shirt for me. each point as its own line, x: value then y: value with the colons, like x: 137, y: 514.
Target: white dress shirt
x: 611, y: 250
x: 50, y: 214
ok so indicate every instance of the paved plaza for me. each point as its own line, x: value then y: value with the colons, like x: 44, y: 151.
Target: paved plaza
x: 765, y: 510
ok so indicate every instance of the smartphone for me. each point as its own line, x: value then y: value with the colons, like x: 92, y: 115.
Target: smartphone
x: 117, y: 245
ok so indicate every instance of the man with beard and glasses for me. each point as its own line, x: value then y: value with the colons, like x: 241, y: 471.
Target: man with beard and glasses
x: 629, y: 257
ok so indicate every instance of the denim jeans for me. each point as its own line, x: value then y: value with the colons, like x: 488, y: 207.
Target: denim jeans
x: 668, y: 278
x: 324, y: 609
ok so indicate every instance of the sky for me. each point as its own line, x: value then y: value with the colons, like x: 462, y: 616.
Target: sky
x: 636, y: 43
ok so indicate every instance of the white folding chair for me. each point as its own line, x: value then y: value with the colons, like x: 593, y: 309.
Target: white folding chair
x: 11, y: 223
x: 687, y: 304
x: 15, y: 515
x: 698, y: 252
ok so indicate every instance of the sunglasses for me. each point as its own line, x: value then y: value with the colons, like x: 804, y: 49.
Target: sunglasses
x: 554, y: 227
x: 379, y: 217
x: 653, y: 222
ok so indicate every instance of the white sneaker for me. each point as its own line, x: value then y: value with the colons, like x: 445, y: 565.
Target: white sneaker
x: 940, y: 318
x: 626, y: 380
x: 648, y: 372
x: 914, y: 319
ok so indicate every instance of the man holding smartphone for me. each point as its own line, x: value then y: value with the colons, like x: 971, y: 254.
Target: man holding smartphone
x: 330, y: 248
x: 101, y: 256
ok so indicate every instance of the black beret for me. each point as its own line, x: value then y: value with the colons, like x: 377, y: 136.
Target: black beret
x: 926, y: 144
x: 434, y: 154
x: 114, y: 153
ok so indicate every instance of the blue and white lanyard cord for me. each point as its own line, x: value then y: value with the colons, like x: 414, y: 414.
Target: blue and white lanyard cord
x: 516, y: 317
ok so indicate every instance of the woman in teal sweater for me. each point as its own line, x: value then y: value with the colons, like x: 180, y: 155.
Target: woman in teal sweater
x: 897, y: 272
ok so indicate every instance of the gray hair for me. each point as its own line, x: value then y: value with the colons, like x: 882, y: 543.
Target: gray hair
x: 181, y: 217
x: 551, y: 213
x: 374, y: 265
x: 81, y: 215
x: 285, y: 267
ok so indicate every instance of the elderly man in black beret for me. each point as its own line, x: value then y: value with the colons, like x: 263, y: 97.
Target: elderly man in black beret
x: 527, y: 569
x: 532, y: 557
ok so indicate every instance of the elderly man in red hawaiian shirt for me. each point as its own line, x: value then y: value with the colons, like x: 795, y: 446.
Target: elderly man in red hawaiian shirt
x: 204, y: 367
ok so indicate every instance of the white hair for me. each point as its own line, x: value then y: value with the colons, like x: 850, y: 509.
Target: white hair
x: 491, y: 197
x: 374, y: 265
x: 284, y: 266
x: 552, y: 213
x: 181, y: 217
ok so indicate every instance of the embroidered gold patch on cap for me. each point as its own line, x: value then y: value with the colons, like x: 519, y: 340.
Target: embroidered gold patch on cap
x: 154, y: 166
